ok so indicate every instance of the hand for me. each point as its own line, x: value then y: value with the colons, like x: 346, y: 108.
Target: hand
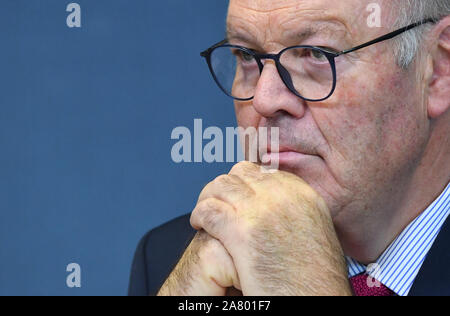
x: 206, y: 269
x: 278, y: 231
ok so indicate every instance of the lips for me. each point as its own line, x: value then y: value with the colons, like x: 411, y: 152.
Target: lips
x: 286, y: 157
x: 286, y: 146
x: 286, y: 149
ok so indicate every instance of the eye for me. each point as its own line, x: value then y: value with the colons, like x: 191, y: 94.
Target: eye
x: 245, y: 56
x: 317, y: 55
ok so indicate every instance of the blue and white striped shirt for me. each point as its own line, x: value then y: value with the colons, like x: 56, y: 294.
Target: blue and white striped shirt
x: 399, y: 265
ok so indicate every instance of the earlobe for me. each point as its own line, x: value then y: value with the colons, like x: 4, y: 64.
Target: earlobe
x: 439, y: 87
x: 439, y: 99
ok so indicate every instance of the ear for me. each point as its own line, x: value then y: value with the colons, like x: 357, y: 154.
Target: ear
x: 439, y: 84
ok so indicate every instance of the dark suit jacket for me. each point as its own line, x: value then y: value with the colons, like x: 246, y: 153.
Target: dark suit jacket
x: 159, y: 251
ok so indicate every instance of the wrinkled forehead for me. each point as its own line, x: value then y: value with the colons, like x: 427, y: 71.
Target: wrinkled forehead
x: 267, y: 6
x: 275, y: 20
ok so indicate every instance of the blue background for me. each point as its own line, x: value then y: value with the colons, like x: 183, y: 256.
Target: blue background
x: 85, y: 124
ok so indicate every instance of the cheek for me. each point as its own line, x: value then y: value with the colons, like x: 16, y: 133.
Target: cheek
x: 362, y: 105
x: 368, y: 124
x: 246, y: 115
x: 398, y: 120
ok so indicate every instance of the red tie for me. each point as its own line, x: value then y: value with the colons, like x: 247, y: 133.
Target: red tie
x: 365, y: 285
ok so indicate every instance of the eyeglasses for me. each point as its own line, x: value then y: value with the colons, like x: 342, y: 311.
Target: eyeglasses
x: 308, y: 71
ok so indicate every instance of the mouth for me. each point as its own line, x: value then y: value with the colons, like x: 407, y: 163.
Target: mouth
x: 286, y: 157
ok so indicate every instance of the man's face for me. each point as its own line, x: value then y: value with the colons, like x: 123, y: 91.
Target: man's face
x: 360, y: 145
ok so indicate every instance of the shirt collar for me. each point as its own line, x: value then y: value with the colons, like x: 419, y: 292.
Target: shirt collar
x: 399, y: 265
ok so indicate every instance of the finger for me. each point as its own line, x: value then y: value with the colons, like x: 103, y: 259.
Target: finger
x: 228, y: 188
x: 245, y: 168
x: 216, y: 218
x: 219, y: 265
x: 249, y: 172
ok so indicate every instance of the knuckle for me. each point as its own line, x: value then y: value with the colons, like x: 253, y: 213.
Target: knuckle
x: 207, y: 207
x: 211, y: 188
x: 210, y: 220
x: 229, y: 180
x: 222, y: 179
x: 242, y: 167
x: 228, y: 184
x: 208, y: 211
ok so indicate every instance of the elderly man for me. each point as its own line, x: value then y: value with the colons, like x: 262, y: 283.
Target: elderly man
x: 360, y: 203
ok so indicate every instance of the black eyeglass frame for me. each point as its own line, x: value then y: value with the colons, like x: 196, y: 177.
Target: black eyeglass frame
x: 284, y: 74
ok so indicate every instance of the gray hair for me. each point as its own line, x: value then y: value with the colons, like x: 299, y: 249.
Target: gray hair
x: 412, y: 11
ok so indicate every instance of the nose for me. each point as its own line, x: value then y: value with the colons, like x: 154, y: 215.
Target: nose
x: 272, y: 96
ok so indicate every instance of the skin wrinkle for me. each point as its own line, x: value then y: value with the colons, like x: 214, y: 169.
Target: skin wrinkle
x: 341, y: 154
x: 373, y: 161
x: 307, y: 14
x: 320, y: 14
x: 326, y: 154
x: 247, y: 33
x: 353, y: 131
x: 273, y: 258
x: 326, y: 29
x: 324, y: 14
x: 279, y: 122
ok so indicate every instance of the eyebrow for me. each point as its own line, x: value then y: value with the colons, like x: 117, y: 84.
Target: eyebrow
x: 307, y: 33
x: 324, y: 29
x: 236, y: 35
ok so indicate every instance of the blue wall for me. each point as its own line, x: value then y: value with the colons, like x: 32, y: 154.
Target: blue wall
x: 85, y: 122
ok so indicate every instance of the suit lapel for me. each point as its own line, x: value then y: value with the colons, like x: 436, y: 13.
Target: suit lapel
x: 434, y: 276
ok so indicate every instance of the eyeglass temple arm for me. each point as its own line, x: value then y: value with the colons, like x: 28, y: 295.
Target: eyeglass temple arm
x: 387, y: 36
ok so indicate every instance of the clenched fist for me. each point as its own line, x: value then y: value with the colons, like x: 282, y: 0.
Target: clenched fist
x: 277, y: 231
